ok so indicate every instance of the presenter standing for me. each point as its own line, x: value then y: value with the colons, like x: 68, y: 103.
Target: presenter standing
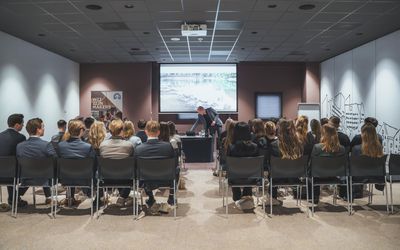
x: 210, y: 119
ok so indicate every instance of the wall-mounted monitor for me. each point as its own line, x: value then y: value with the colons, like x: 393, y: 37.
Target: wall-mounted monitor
x: 184, y: 87
x: 268, y: 105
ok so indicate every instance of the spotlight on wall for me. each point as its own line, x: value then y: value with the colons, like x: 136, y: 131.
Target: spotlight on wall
x: 93, y: 7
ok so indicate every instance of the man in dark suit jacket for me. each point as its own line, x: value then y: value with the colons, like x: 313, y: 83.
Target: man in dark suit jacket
x: 35, y: 147
x: 155, y: 148
x: 210, y: 119
x: 9, y: 139
x: 75, y: 148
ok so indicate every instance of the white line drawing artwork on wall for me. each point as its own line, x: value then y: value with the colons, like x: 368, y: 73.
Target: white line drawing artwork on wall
x: 352, y: 115
x: 391, y: 138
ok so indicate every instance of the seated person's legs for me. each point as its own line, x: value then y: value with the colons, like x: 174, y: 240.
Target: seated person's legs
x: 236, y: 193
x: 247, y: 191
x: 124, y: 192
x: 21, y: 192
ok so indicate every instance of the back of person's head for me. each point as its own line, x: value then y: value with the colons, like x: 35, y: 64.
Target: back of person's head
x: 289, y: 145
x: 270, y: 129
x: 250, y: 123
x: 258, y: 127
x: 316, y: 129
x: 97, y: 133
x: 75, y: 128
x: 80, y: 118
x: 116, y: 126
x: 164, y: 132
x: 141, y: 124
x: 324, y: 121
x: 62, y: 124
x: 241, y: 132
x: 227, y: 122
x: 335, y: 121
x: 129, y: 129
x: 229, y: 135
x: 15, y: 119
x: 152, y: 128
x: 200, y: 108
x: 172, y: 128
x: 372, y: 120
x: 370, y: 145
x: 329, y: 139
x: 118, y: 115
x: 34, y: 126
x: 88, y: 122
x: 302, y: 128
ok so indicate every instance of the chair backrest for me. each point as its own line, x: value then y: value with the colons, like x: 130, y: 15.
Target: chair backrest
x: 286, y: 168
x: 75, y: 169
x: 364, y: 166
x: 8, y: 166
x: 156, y: 169
x: 116, y: 169
x: 245, y: 167
x: 394, y: 164
x: 36, y: 168
x: 323, y: 166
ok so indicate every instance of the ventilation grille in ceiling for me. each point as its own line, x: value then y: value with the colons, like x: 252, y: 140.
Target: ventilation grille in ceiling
x: 113, y: 26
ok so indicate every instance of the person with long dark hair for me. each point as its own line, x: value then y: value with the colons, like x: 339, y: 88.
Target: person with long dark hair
x: 242, y: 146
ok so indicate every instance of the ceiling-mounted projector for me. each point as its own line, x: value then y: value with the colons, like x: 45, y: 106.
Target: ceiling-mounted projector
x: 194, y: 29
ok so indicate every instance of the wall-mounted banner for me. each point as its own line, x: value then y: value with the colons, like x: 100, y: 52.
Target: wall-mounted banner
x: 103, y: 102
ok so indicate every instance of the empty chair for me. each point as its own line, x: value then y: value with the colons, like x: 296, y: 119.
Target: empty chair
x: 288, y: 172
x: 8, y: 171
x: 329, y: 171
x: 156, y: 170
x: 394, y: 170
x: 33, y: 172
x: 75, y: 173
x: 367, y: 170
x: 115, y: 173
x: 246, y: 170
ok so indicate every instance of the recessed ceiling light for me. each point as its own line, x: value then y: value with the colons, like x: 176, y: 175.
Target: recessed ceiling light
x: 41, y: 34
x: 254, y: 32
x: 157, y: 48
x: 175, y: 39
x: 307, y: 6
x: 242, y: 48
x: 129, y: 6
x: 146, y: 33
x: 93, y: 7
x: 271, y: 6
x: 264, y: 48
x: 327, y: 49
x: 135, y: 49
x: 359, y: 34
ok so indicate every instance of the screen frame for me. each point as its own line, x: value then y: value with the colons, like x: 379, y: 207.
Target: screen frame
x: 280, y: 94
x: 194, y: 111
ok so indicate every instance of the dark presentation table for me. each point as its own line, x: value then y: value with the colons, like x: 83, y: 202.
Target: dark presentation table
x: 197, y: 149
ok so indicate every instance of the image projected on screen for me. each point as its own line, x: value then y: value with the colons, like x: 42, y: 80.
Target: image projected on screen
x: 184, y: 87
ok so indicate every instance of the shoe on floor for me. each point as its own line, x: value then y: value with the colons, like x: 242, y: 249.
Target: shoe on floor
x: 120, y: 202
x: 164, y: 208
x: 150, y: 202
x: 238, y: 204
x: 171, y: 202
x: 247, y: 203
x: 64, y: 202
x: 275, y: 202
x: 4, y: 207
x: 129, y: 201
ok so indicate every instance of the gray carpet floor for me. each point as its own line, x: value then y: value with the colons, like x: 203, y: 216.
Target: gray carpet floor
x: 202, y: 224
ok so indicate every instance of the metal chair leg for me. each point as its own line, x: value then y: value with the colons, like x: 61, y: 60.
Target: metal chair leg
x: 312, y: 195
x: 13, y: 198
x: 350, y: 198
x: 263, y: 195
x: 16, y: 199
x: 347, y: 190
x: 386, y: 194
x: 56, y: 199
x: 134, y: 198
x: 307, y: 204
x: 226, y: 195
x: 270, y: 197
x: 175, y: 198
x: 91, y: 194
x: 34, y: 197
x: 297, y: 198
x: 98, y: 198
x: 1, y: 194
x: 52, y: 198
x: 391, y: 194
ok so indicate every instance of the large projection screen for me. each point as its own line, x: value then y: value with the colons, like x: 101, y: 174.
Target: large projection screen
x: 184, y: 87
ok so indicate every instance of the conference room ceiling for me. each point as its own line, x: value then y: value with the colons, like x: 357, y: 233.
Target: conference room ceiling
x: 237, y: 30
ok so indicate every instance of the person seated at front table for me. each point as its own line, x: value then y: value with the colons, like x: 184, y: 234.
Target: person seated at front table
x: 118, y: 148
x: 74, y: 148
x: 155, y: 148
x: 242, y: 146
x: 35, y: 148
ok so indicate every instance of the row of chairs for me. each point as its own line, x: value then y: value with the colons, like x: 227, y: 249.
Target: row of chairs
x: 111, y: 173
x: 358, y: 170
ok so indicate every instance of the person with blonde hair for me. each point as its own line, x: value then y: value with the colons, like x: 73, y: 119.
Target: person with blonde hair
x: 259, y: 135
x: 97, y: 134
x: 330, y: 145
x: 301, y: 125
x: 129, y: 133
x: 288, y: 146
x: 118, y: 148
x: 370, y: 144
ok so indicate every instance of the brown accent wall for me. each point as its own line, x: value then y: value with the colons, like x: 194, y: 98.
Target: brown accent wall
x: 286, y: 78
x: 134, y: 79
x: 140, y: 84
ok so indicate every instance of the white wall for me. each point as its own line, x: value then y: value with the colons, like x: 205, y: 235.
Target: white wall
x: 36, y: 83
x: 365, y: 82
